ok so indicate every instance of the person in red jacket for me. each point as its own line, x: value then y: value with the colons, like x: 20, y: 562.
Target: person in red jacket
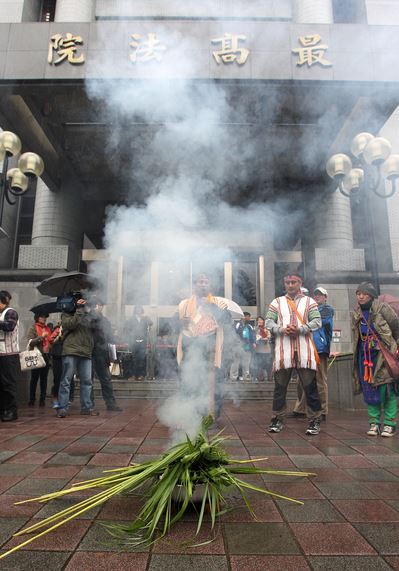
x: 40, y: 335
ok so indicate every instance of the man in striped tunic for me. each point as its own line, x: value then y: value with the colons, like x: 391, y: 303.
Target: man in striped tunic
x: 292, y: 318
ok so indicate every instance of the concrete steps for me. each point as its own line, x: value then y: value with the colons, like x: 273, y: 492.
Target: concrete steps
x: 161, y: 389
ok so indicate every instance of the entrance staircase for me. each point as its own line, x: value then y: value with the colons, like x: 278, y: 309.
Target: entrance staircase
x: 163, y: 388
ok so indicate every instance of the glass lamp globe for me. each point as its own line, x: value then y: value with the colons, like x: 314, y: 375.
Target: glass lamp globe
x: 19, y: 182
x: 359, y: 143
x: 338, y: 166
x: 31, y: 164
x: 390, y: 169
x: 353, y: 180
x: 10, y: 143
x: 377, y: 151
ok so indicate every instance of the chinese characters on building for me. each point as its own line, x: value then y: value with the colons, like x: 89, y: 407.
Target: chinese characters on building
x: 311, y: 52
x: 230, y: 49
x: 146, y: 50
x: 65, y: 49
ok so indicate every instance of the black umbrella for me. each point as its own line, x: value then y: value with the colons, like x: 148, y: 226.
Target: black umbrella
x: 65, y: 282
x: 45, y: 306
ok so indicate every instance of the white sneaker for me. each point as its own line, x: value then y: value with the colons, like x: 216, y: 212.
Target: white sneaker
x: 240, y: 378
x: 388, y: 431
x: 374, y: 429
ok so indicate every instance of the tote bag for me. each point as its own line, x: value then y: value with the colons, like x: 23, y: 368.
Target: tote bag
x: 31, y: 359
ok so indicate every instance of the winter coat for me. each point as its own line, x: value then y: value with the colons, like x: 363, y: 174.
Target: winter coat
x: 386, y: 325
x: 35, y: 336
x: 78, y: 334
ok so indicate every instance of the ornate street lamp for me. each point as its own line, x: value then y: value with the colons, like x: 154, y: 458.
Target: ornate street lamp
x: 16, y: 181
x: 373, y: 164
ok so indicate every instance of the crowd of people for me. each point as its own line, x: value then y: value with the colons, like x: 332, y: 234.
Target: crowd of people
x: 293, y: 339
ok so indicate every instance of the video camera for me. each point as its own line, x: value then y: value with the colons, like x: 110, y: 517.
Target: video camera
x: 67, y: 302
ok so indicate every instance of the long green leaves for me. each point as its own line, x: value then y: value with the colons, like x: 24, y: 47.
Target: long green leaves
x: 171, y: 484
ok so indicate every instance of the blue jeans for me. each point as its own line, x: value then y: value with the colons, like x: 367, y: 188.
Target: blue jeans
x: 82, y: 366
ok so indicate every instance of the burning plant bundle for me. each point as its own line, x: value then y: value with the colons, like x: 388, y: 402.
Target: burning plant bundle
x: 169, y: 484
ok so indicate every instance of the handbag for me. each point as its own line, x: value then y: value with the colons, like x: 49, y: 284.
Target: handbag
x: 31, y: 359
x: 115, y: 369
x: 391, y: 360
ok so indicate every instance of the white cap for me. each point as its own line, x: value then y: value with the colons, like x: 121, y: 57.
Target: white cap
x: 321, y: 290
x: 305, y: 290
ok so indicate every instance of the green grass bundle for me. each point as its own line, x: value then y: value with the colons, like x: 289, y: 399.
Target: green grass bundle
x: 168, y: 485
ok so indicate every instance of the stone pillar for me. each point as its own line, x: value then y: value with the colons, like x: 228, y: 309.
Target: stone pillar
x: 313, y: 11
x: 335, y: 225
x: 74, y: 11
x: 57, y: 230
x: 334, y: 237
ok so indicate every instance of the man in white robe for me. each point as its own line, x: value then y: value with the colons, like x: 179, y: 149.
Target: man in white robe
x: 292, y: 318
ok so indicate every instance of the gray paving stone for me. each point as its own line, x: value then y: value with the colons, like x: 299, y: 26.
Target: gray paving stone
x: 34, y: 561
x: 17, y: 469
x: 337, y: 450
x: 8, y: 526
x: 99, y: 539
x: 118, y: 449
x: 343, y: 563
x: 384, y: 537
x: 372, y: 475
x: 260, y: 451
x: 310, y: 511
x: 76, y: 460
x: 94, y: 439
x: 260, y: 539
x: 311, y: 461
x: 185, y: 562
x: 344, y: 490
x: 48, y: 446
x: 29, y: 438
x: 385, y: 460
x: 36, y: 487
x: 6, y: 454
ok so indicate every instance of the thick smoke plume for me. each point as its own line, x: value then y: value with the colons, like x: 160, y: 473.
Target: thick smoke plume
x: 187, y: 154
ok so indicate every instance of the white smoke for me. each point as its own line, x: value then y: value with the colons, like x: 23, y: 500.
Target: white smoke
x: 182, y: 165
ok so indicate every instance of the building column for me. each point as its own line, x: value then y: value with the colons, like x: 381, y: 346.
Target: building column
x: 313, y: 11
x: 335, y: 225
x: 334, y: 250
x: 74, y: 11
x: 57, y: 230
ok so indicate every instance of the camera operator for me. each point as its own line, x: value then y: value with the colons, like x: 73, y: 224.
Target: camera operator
x: 102, y: 334
x: 77, y: 349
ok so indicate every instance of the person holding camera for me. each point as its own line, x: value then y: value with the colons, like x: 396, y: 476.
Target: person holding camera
x: 77, y: 349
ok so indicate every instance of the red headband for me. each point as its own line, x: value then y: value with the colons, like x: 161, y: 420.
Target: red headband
x: 293, y: 276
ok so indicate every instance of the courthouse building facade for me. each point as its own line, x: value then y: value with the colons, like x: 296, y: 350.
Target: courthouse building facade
x: 317, y: 58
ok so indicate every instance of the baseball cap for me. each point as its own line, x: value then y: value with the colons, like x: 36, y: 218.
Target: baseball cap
x: 321, y: 290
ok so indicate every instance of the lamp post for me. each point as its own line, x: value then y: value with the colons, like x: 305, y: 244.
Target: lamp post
x: 373, y: 164
x: 16, y: 181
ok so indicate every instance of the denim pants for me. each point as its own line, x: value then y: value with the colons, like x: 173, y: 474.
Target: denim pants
x: 82, y: 366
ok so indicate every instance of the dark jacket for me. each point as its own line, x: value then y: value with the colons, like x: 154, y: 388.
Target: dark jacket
x: 322, y: 337
x: 386, y: 325
x: 78, y: 333
x: 102, y: 332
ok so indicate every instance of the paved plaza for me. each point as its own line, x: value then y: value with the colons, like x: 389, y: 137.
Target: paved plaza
x: 349, y: 521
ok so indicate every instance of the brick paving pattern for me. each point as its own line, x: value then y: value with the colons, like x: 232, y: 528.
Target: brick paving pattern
x: 349, y: 522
